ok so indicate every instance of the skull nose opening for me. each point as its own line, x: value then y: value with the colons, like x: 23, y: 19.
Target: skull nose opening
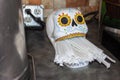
x: 73, y: 23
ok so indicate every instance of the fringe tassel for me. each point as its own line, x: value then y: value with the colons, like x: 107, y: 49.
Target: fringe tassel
x: 78, y: 52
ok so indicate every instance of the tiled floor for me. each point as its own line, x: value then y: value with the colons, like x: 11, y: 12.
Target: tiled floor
x: 41, y: 49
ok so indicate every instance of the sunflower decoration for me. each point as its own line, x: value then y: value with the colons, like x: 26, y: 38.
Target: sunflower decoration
x: 64, y: 20
x: 79, y: 18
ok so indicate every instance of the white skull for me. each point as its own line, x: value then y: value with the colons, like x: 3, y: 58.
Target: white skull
x: 68, y: 21
x: 66, y: 29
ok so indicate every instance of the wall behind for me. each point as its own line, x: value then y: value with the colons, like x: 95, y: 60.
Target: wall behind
x: 85, y: 6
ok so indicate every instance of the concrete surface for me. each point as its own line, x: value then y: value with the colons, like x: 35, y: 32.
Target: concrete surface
x: 41, y: 49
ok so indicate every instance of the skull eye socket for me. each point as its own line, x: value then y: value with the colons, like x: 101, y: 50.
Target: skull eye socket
x: 64, y: 20
x: 79, y: 18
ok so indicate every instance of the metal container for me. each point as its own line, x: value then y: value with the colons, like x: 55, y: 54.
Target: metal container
x: 13, y: 58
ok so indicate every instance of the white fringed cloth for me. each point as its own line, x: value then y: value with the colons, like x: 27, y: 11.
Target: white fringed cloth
x: 78, y: 52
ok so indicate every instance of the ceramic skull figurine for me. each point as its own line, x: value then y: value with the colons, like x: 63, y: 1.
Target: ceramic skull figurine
x: 66, y: 29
